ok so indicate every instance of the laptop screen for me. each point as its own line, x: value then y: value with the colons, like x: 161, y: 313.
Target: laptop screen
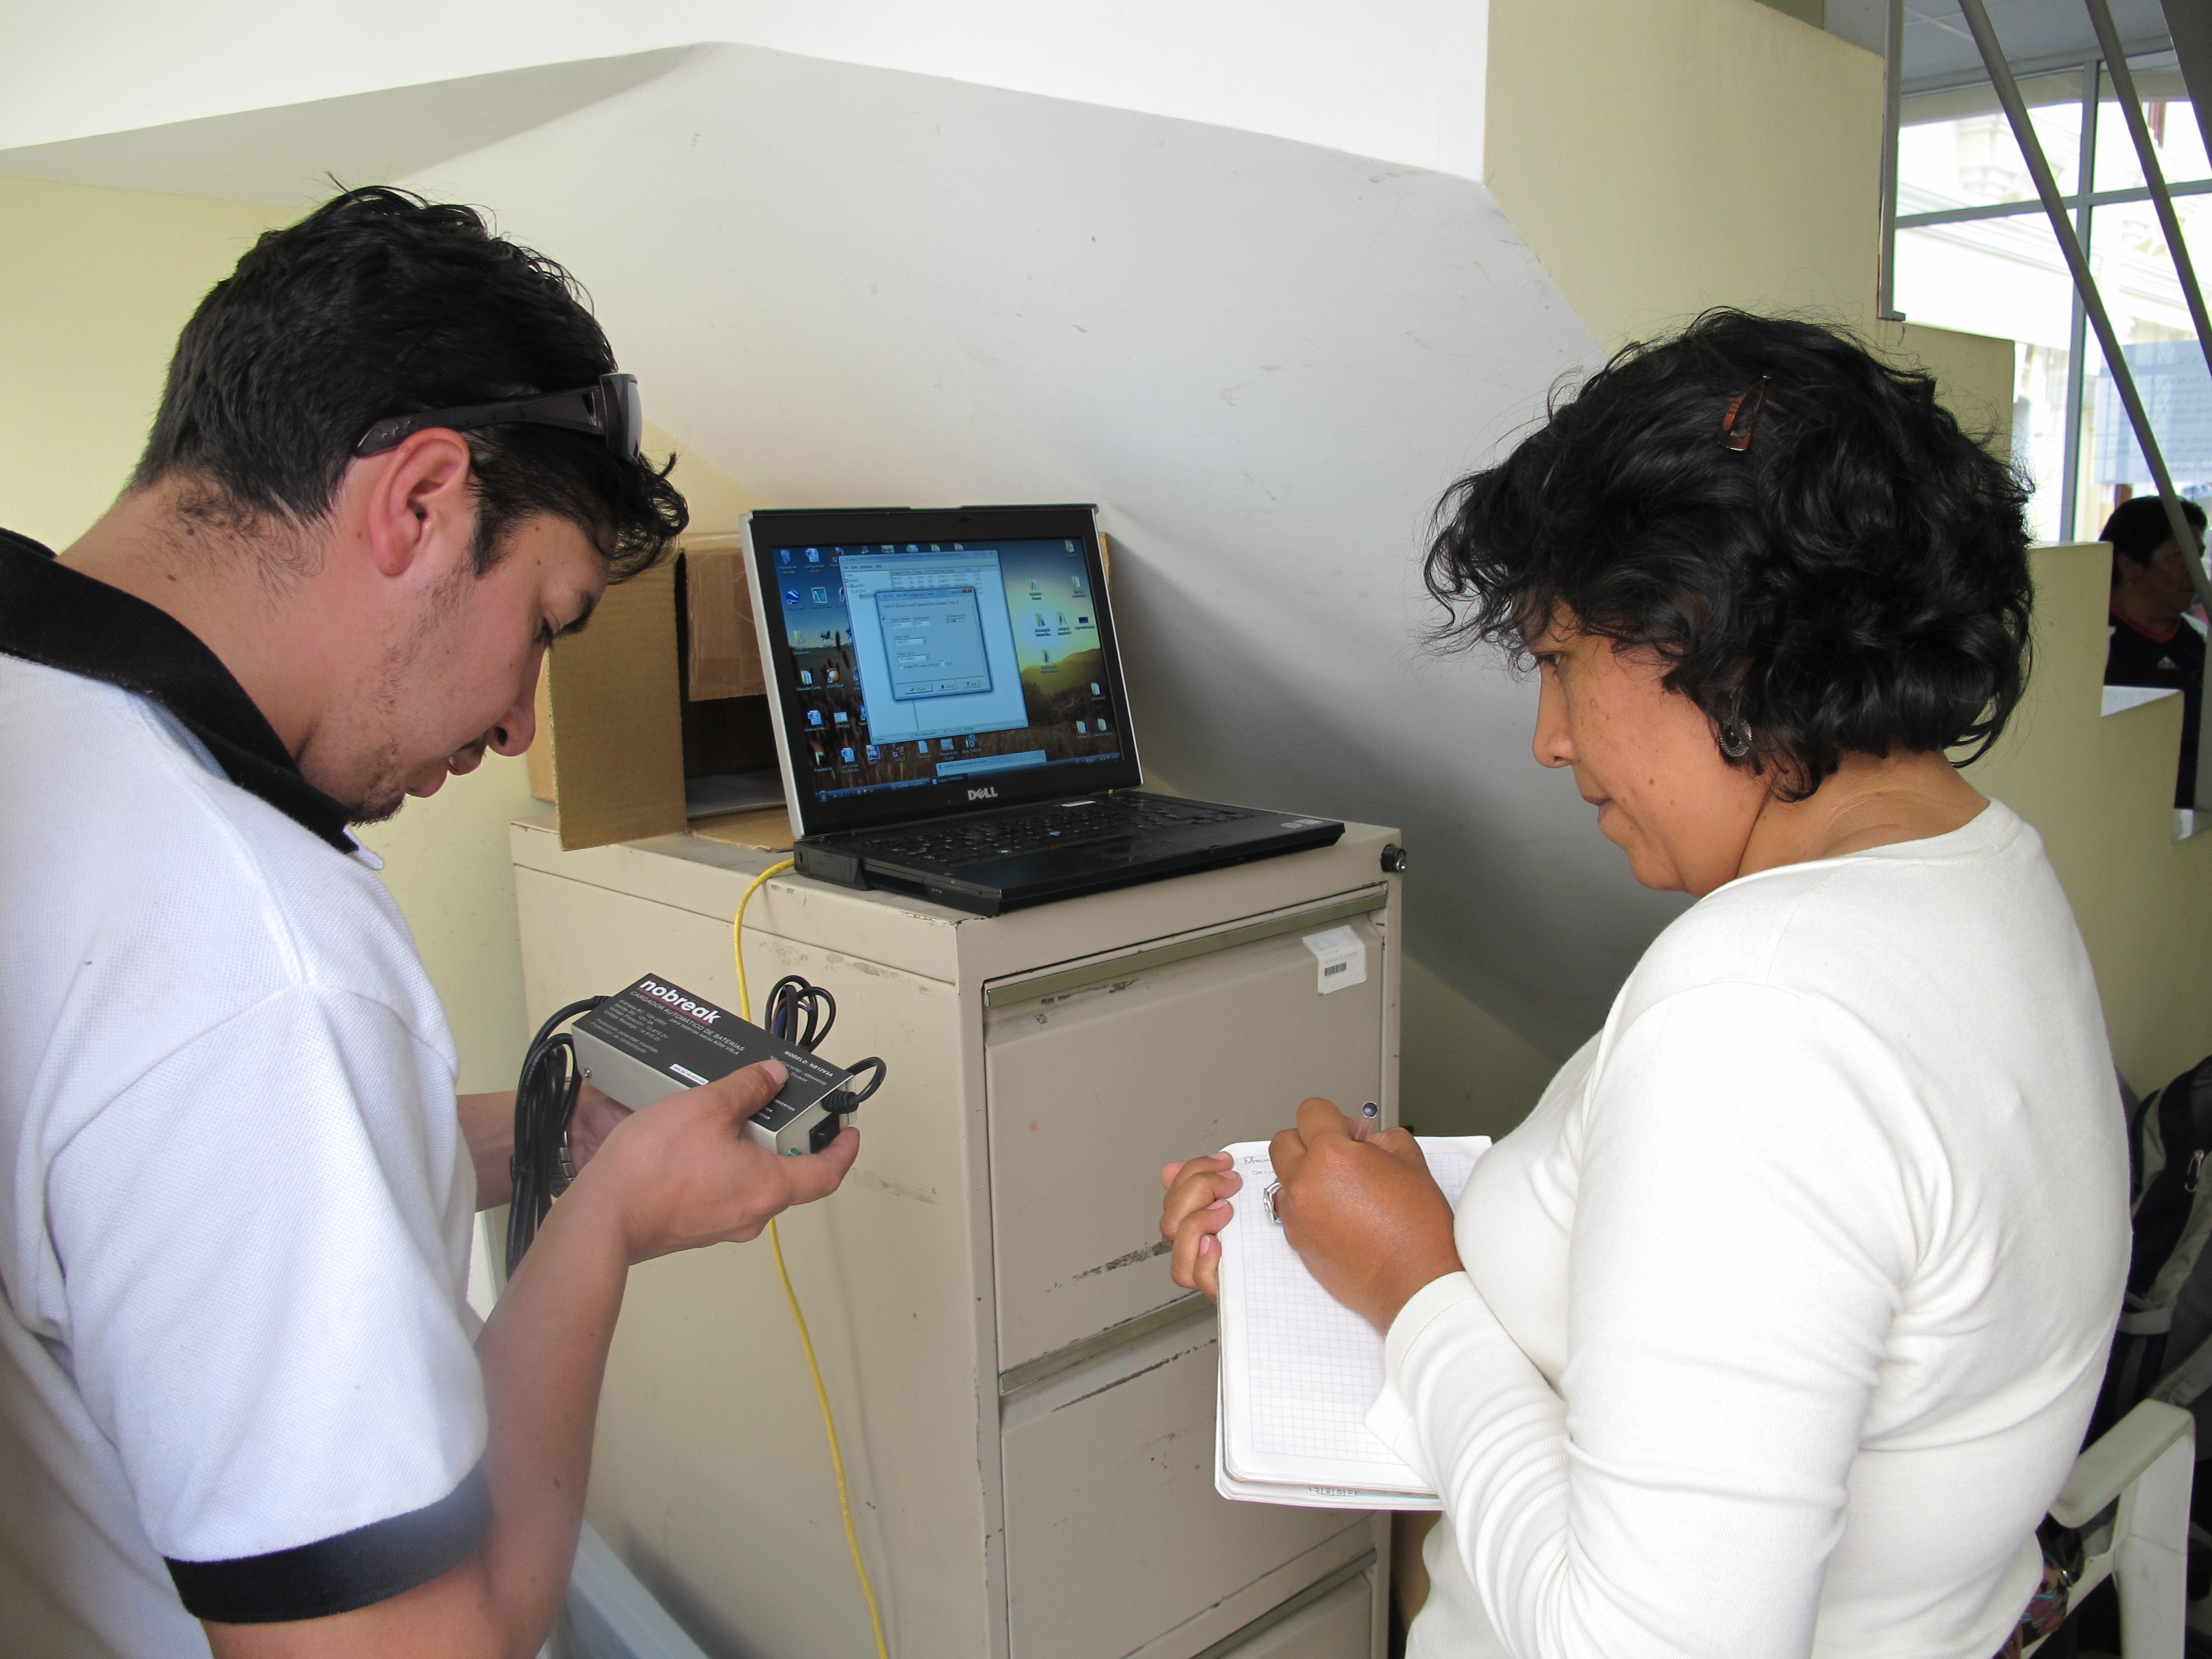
x: 932, y: 662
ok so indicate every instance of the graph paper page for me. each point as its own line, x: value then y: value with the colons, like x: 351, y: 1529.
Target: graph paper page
x: 1298, y: 1368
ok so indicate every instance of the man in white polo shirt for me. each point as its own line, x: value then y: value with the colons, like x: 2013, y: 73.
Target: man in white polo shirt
x: 240, y: 1407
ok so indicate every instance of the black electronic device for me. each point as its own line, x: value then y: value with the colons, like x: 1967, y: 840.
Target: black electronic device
x: 654, y: 1038
x: 644, y: 1043
x: 951, y: 717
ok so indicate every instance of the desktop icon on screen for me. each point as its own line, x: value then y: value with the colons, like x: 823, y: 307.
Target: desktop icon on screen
x: 1080, y: 728
x: 847, y: 754
x: 842, y: 718
x: 971, y: 740
x: 806, y: 676
x: 874, y: 753
x: 821, y: 595
x: 814, y: 717
x: 946, y: 746
x: 1093, y: 688
x: 790, y: 596
x: 783, y: 556
x: 814, y: 556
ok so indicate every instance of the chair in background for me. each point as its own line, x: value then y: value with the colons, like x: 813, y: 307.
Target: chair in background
x: 2129, y: 1499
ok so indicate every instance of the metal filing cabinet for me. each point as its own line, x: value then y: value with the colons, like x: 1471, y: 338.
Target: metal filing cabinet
x: 1025, y: 1399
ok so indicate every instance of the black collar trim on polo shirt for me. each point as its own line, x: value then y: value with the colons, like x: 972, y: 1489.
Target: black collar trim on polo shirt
x: 58, y: 616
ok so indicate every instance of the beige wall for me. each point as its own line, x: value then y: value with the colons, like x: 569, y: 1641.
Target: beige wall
x: 1661, y: 156
x: 1973, y: 374
x: 1617, y: 166
x: 1461, y: 1071
x: 2100, y: 790
x: 93, y: 286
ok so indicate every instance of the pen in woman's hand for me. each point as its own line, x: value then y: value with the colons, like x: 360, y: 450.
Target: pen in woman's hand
x: 1368, y: 1123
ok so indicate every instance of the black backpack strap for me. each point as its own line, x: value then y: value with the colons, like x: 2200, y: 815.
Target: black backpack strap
x: 2163, y: 1213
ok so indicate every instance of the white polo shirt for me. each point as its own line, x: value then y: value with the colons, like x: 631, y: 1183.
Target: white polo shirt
x: 237, y: 1378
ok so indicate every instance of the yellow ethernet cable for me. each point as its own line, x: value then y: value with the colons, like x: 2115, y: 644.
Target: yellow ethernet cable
x: 797, y: 1317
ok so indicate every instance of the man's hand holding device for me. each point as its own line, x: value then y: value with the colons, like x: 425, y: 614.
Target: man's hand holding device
x: 682, y: 1174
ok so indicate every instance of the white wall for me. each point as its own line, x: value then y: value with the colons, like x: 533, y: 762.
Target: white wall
x: 1398, y: 79
x: 1265, y: 359
x: 1222, y: 267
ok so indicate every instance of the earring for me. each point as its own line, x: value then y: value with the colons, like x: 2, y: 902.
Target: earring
x: 1735, y: 739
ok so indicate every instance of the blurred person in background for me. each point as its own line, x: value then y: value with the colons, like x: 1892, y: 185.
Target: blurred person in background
x: 2154, y: 640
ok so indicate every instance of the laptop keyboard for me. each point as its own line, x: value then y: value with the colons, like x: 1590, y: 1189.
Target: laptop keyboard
x: 999, y: 834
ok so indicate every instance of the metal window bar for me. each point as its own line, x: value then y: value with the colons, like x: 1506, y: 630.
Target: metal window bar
x: 1959, y: 215
x: 2085, y: 282
x: 1893, y: 95
x: 2169, y: 222
x: 2077, y: 336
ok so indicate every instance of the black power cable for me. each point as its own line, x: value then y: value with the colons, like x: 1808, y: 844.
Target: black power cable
x: 544, y: 1097
x: 801, y: 1014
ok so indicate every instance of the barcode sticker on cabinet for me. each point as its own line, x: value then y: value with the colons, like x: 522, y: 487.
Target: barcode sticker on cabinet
x: 1340, y: 957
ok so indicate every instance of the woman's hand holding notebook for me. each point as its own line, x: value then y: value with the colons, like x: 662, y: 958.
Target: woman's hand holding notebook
x: 1298, y: 1370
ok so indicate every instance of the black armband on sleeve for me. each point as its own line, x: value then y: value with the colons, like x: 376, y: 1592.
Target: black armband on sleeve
x: 357, y: 1569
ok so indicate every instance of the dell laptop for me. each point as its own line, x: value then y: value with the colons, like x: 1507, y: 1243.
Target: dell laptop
x: 950, y: 711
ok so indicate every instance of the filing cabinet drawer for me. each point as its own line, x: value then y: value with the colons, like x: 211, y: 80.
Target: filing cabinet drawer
x: 1089, y: 1092
x: 1115, y: 1534
x: 1339, y: 1626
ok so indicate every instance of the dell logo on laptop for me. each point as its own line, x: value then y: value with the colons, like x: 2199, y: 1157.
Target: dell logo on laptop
x: 982, y: 794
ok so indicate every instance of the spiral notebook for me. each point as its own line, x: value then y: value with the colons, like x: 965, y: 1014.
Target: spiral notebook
x: 1298, y: 1368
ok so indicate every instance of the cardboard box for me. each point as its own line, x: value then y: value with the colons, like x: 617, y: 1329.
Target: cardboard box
x: 617, y: 703
x: 724, y: 648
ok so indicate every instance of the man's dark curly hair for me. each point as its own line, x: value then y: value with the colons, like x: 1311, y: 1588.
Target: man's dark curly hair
x: 381, y: 303
x: 1853, y: 581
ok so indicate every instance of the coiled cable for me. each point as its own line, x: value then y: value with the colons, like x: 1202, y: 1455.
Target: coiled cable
x: 544, y: 1099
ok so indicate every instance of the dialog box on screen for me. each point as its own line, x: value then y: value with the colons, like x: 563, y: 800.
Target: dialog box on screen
x: 934, y: 638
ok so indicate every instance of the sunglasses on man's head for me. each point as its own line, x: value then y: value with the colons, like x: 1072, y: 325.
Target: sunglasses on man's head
x: 610, y: 408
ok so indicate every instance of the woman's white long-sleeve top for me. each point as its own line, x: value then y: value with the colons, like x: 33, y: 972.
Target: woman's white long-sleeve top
x: 1785, y: 1310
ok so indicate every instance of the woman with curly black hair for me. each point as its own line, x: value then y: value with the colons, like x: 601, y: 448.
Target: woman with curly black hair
x: 1776, y: 1328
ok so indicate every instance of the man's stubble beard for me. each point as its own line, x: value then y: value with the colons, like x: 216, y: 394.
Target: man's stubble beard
x: 384, y: 792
